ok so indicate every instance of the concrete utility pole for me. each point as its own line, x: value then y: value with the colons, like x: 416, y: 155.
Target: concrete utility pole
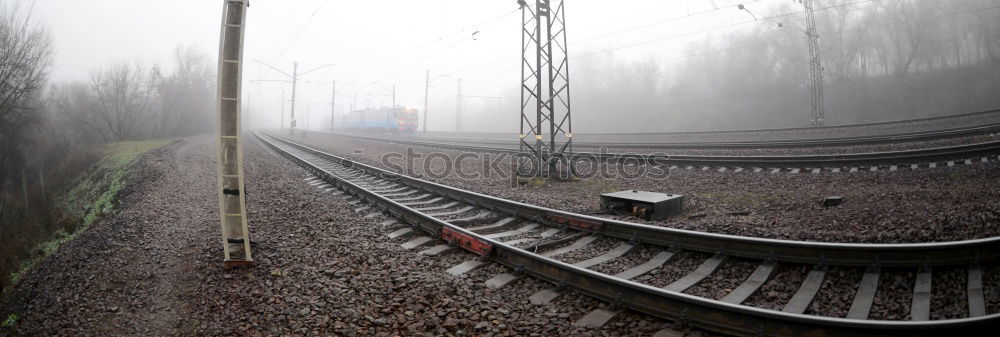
x: 333, y: 106
x: 427, y: 90
x: 864, y: 75
x: 246, y: 117
x: 458, y: 108
x: 390, y: 123
x: 229, y: 157
x: 295, y: 82
x: 388, y: 113
x: 294, y: 79
x: 282, y: 110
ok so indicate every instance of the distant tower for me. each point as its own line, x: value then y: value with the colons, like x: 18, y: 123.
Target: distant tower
x: 458, y: 108
x: 815, y: 65
x: 545, y: 94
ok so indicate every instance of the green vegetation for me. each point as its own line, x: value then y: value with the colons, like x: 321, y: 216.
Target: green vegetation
x: 90, y: 199
x: 94, y: 195
x: 10, y: 321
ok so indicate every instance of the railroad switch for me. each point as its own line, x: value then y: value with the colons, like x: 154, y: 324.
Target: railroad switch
x: 645, y: 205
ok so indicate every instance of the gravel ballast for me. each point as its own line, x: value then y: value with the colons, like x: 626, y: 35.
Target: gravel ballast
x: 925, y: 205
x: 723, y: 150
x: 155, y: 269
x: 881, y: 208
x: 326, y: 269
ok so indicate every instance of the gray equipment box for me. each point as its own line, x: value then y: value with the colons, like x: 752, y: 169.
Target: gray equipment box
x: 645, y: 205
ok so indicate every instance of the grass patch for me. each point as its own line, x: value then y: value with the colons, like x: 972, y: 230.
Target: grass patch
x: 94, y: 196
x: 90, y: 199
x: 10, y: 321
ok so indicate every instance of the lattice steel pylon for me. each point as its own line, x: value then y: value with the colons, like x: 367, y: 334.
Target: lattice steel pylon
x: 232, y: 199
x: 815, y: 65
x: 545, y: 96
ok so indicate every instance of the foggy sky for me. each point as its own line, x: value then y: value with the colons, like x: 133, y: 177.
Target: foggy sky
x: 391, y: 42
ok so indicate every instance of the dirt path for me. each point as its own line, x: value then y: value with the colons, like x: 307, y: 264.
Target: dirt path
x: 127, y: 274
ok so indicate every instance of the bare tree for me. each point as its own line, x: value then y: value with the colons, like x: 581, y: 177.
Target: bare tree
x: 185, y: 98
x: 123, y: 95
x: 72, y: 107
x: 24, y: 62
x: 909, y: 18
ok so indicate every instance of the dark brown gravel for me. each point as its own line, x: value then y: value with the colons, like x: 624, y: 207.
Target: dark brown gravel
x: 154, y: 269
x: 678, y: 266
x: 596, y: 248
x: 638, y: 256
x: 539, y: 241
x: 756, y: 135
x: 881, y: 207
x: 942, y: 204
x: 774, y: 151
x: 949, y: 297
x: 991, y: 288
x: 894, y: 295
x: 780, y: 288
x: 730, y: 274
x: 535, y: 233
x: 837, y: 293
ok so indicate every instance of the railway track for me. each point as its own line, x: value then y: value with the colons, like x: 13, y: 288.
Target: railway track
x: 836, y: 163
x: 533, y: 241
x: 589, y: 140
x: 822, y: 142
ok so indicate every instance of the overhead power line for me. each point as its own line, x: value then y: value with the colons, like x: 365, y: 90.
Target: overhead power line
x: 484, y: 24
x: 676, y: 18
x: 303, y: 28
x: 281, y: 36
x: 677, y: 57
x: 702, y: 31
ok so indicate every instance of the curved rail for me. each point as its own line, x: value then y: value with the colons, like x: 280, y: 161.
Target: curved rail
x: 687, y: 309
x: 845, y: 254
x: 784, y: 143
x: 874, y: 159
x: 922, y: 135
x: 827, y: 127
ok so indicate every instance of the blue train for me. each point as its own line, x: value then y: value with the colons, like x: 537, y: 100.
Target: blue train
x: 398, y: 120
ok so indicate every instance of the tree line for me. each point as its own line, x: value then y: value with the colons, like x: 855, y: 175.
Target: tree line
x: 128, y: 101
x: 882, y: 60
x: 51, y: 133
x: 118, y: 102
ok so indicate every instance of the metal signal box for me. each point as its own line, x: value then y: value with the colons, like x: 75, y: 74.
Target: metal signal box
x: 645, y: 205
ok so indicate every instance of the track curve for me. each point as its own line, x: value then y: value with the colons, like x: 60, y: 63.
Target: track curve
x: 374, y: 186
x: 890, y: 160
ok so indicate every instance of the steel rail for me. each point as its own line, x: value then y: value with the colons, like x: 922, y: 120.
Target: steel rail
x: 682, y: 308
x: 754, y: 144
x: 827, y: 127
x: 873, y: 159
x: 806, y: 128
x: 843, y: 254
